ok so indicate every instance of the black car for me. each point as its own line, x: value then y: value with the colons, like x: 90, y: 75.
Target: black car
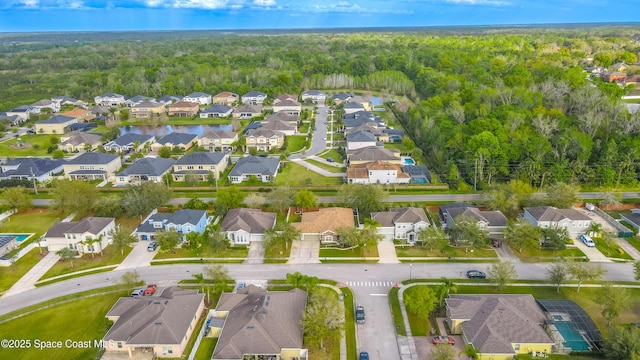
x: 476, y: 274
x: 364, y: 356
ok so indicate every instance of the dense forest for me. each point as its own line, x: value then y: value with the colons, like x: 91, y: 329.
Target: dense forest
x: 484, y: 107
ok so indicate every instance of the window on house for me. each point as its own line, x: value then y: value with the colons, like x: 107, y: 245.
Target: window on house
x: 119, y: 345
x: 516, y: 347
x: 328, y: 238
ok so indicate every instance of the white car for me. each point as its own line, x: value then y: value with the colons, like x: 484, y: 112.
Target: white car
x: 587, y: 240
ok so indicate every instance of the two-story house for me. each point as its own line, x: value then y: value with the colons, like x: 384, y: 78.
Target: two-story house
x: 170, y: 99
x: 138, y: 99
x: 221, y: 140
x: 176, y: 140
x: 254, y: 98
x: 226, y: 98
x: 198, y: 97
x: 492, y: 222
x: 377, y: 172
x: 147, y: 109
x: 79, y: 141
x: 200, y: 165
x: 291, y: 107
x: 247, y: 111
x: 47, y: 104
x: 92, y: 166
x: 315, y: 96
x: 110, y: 100
x: 58, y: 124
x: 572, y: 220
x: 183, y: 222
x: 145, y: 169
x: 373, y: 153
x: 402, y: 224
x: 265, y: 139
x: 244, y: 226
x: 129, y: 142
x: 360, y: 139
x: 285, y: 127
x: 90, y: 235
x: 183, y: 109
x: 264, y: 168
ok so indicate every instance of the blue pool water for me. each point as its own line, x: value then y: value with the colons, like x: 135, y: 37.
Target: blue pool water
x: 408, y: 161
x: 19, y: 237
x: 572, y: 337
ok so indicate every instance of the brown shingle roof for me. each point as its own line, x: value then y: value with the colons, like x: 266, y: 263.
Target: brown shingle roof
x: 76, y: 112
x: 260, y: 322
x: 373, y: 153
x: 403, y: 215
x: 325, y: 219
x: 361, y: 171
x: 183, y: 104
x: 253, y: 221
x: 550, y: 213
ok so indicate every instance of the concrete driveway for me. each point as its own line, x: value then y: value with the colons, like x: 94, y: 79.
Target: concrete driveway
x: 592, y: 253
x: 424, y: 346
x: 256, y: 253
x: 304, y: 252
x: 138, y: 257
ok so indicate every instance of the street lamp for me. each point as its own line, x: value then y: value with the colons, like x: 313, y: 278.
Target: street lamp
x: 410, y: 267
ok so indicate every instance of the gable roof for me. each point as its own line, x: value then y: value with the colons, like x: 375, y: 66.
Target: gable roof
x: 32, y: 166
x: 495, y: 322
x: 58, y: 119
x: 284, y: 97
x: 361, y: 171
x: 282, y: 117
x: 373, y: 153
x: 201, y: 158
x: 313, y: 93
x: 254, y: 94
x: 180, y: 217
x: 256, y: 165
x: 325, y: 219
x: 198, y: 94
x: 278, y: 125
x: 148, y: 104
x: 169, y: 98
x: 249, y: 108
x: 287, y: 102
x: 91, y: 158
x: 260, y: 322
x: 177, y: 138
x: 130, y: 139
x: 217, y: 109
x: 43, y: 103
x: 77, y: 138
x: 158, y: 320
x: 342, y: 96
x: 410, y: 215
x: 492, y: 218
x: 92, y: 225
x: 110, y: 95
x: 226, y: 94
x: 181, y: 104
x: 553, y: 214
x: 148, y: 166
x: 361, y: 136
x: 218, y: 134
x: 266, y: 132
x: 253, y: 221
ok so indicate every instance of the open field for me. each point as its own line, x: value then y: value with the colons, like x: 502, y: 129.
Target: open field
x: 326, y: 166
x: 39, y: 145
x: 204, y: 252
x: 9, y: 275
x: 294, y: 174
x: 295, y: 143
x: 448, y: 252
x: 110, y: 256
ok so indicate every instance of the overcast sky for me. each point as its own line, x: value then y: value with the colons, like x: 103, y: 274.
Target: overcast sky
x: 108, y: 15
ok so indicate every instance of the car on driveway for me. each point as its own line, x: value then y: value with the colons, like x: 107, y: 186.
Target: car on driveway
x: 363, y: 356
x: 587, y: 240
x: 443, y: 340
x: 150, y: 290
x: 241, y: 285
x: 330, y: 160
x: 476, y: 274
x: 152, y: 246
x: 137, y: 292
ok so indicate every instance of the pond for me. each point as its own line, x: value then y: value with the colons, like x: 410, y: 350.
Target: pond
x: 167, y: 129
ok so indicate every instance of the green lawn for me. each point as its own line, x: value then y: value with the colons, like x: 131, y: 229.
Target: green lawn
x: 334, y: 154
x: 396, y: 145
x: 536, y: 254
x: 277, y: 251
x: 398, y: 320
x: 449, y: 251
x: 349, y: 323
x: 294, y: 174
x: 634, y: 241
x: 110, y: 256
x: 36, y: 221
x: 205, y: 350
x: 612, y: 250
x: 79, y: 320
x: 326, y: 166
x: 42, y: 142
x: 372, y: 251
x: 9, y: 275
x: 204, y: 252
x: 295, y: 143
x: 419, y: 327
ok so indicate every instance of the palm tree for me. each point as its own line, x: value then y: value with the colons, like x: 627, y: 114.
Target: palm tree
x: 596, y: 227
x: 200, y: 279
x: 90, y: 241
x: 448, y: 286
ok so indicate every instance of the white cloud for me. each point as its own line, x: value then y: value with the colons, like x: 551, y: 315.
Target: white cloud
x: 29, y: 3
x: 347, y: 7
x: 71, y: 4
x: 264, y: 2
x: 480, y: 2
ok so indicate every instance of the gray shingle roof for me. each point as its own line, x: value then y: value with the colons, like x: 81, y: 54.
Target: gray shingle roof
x: 360, y: 136
x: 130, y: 139
x: 148, y: 104
x: 372, y: 153
x: 92, y: 225
x: 217, y: 109
x: 253, y: 221
x: 255, y: 165
x: 403, y: 215
x: 260, y: 322
x: 550, y: 213
x: 287, y: 102
x: 417, y: 171
x: 198, y: 94
x: 158, y: 320
x: 32, y: 166
x: 254, y: 94
x: 148, y: 166
x: 353, y: 105
x: 313, y: 92
x: 58, y: 119
x: 342, y: 96
x: 180, y: 217
x: 110, y: 95
x: 268, y: 133
x: 177, y: 138
x: 278, y: 125
x: 248, y: 108
x: 77, y: 138
x: 91, y: 158
x: 201, y: 158
x: 492, y: 218
x: 218, y: 134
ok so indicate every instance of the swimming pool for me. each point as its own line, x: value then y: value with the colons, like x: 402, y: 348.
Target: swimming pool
x: 408, y: 161
x: 18, y: 237
x: 572, y: 338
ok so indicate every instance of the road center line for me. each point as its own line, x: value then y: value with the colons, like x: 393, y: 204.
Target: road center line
x: 378, y: 294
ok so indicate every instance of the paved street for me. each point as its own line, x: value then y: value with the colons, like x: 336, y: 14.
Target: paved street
x: 317, y: 144
x: 376, y: 336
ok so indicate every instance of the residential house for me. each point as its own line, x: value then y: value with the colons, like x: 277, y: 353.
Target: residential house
x: 574, y: 221
x: 13, y: 119
x: 632, y: 218
x: 368, y: 106
x: 170, y: 99
x: 373, y: 153
x: 264, y: 324
x: 57, y: 124
x: 292, y: 119
x: 285, y: 97
x: 198, y: 97
x: 499, y: 327
x: 39, y: 169
x: 492, y: 222
x: 254, y: 98
x: 200, y: 165
x: 631, y: 80
x: 226, y: 98
x: 376, y: 172
x: 162, y: 324
x: 92, y: 166
x: 216, y: 111
x: 100, y: 111
x: 247, y: 111
x: 341, y: 98
x: 265, y: 139
x: 221, y: 140
x: 82, y: 115
x: 619, y: 66
x: 287, y: 128
x: 613, y: 76
x: 184, y: 109
x: 79, y: 142
x: 442, y: 212
x: 47, y: 104
x: 139, y: 99
x: 110, y: 100
x: 176, y: 140
x: 146, y: 169
x: 147, y: 109
x: 315, y: 96
x: 352, y: 107
x: 360, y: 139
x: 183, y: 222
x: 288, y: 107
x: 419, y: 174
x: 77, y: 235
x: 402, y: 224
x: 82, y: 127
x: 129, y: 142
x: 244, y: 226
x: 358, y: 118
x: 65, y: 100
x: 23, y: 112
x: 323, y: 225
x: 264, y: 168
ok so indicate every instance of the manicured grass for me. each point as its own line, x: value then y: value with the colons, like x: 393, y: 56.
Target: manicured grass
x: 634, y: 241
x: 43, y: 142
x: 110, y: 256
x: 36, y: 221
x: 612, y: 250
x: 9, y: 275
x: 396, y: 145
x: 535, y: 254
x: 334, y: 154
x: 448, y: 252
x: 419, y: 326
x: 372, y: 251
x: 294, y: 174
x: 295, y: 143
x: 205, y: 350
x: 278, y: 251
x: 80, y: 320
x: 204, y: 252
x: 349, y: 324
x: 331, y: 343
x: 326, y: 166
x: 398, y: 320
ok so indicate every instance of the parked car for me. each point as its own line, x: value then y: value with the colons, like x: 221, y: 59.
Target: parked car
x: 137, y: 292
x: 241, y: 285
x: 151, y: 289
x: 330, y: 160
x: 443, y: 340
x: 496, y: 243
x: 324, y: 138
x: 363, y: 356
x: 476, y: 274
x: 587, y: 240
x: 152, y: 246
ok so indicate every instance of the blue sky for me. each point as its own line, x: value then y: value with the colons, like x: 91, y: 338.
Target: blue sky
x: 111, y: 15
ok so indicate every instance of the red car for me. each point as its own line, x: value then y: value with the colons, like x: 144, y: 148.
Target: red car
x: 443, y: 340
x: 150, y: 289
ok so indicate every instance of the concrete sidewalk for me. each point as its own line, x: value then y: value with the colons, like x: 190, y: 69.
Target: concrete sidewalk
x: 138, y: 257
x: 28, y: 281
x: 317, y: 169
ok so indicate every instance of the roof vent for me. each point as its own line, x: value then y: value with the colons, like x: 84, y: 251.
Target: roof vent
x: 250, y: 327
x: 158, y: 323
